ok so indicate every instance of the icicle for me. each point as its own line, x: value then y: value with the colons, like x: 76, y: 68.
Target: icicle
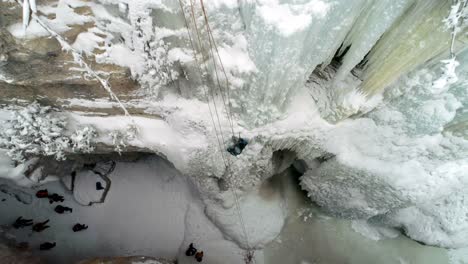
x: 407, y: 45
x: 26, y: 13
x: 33, y: 5
x: 372, y: 24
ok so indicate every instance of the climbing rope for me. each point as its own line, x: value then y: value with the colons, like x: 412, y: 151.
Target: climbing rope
x: 249, y: 257
x: 212, y: 46
x: 226, y: 161
x: 204, y: 88
x: 200, y: 44
x: 204, y: 59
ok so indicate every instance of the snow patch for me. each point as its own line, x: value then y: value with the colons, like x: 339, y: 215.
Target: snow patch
x: 178, y: 54
x: 121, y: 55
x: 291, y: 18
x: 236, y: 58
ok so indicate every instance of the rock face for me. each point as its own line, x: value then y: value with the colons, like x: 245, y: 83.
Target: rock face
x: 6, y: 45
x: 38, y: 69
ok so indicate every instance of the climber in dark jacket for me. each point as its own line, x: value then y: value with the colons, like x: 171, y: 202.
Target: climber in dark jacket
x: 55, y: 198
x: 42, y: 193
x: 62, y: 209
x: 20, y: 222
x: 238, y: 146
x: 99, y: 186
x: 78, y: 227
x: 47, y: 246
x: 199, y: 256
x: 191, y: 250
x: 39, y: 227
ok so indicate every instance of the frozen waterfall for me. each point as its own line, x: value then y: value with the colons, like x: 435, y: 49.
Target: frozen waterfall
x: 368, y: 97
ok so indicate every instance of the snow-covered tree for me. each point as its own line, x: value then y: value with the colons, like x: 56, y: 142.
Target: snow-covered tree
x: 37, y: 130
x: 120, y: 139
x: 34, y: 130
x: 81, y: 140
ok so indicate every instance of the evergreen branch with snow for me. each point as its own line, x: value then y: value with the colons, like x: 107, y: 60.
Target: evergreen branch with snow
x: 120, y: 140
x: 81, y: 140
x: 36, y: 130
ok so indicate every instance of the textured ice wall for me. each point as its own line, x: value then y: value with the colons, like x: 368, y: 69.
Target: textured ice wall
x: 286, y: 41
x: 400, y: 165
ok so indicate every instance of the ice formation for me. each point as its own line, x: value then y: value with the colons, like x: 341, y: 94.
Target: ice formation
x: 353, y: 90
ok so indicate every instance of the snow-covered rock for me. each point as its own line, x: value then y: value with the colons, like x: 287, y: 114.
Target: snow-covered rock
x: 401, y: 163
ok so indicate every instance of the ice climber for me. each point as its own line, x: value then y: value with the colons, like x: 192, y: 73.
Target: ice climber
x: 99, y: 186
x: 238, y: 146
x: 199, y: 256
x: 47, y: 246
x: 20, y: 222
x: 42, y: 193
x: 62, y: 209
x: 39, y: 227
x: 55, y: 198
x: 191, y: 250
x: 78, y: 227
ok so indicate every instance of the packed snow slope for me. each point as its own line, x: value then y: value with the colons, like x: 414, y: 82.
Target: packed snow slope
x: 354, y: 89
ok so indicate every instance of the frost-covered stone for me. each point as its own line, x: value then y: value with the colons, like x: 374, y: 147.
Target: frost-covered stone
x: 442, y: 222
x: 400, y: 165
